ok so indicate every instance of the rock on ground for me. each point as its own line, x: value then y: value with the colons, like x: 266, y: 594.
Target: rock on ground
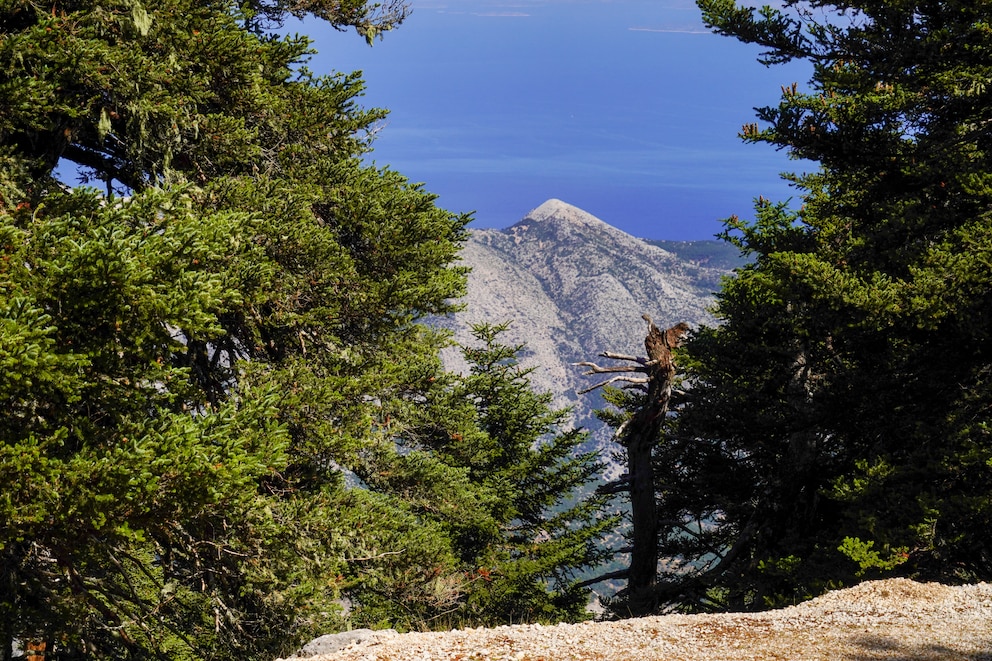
x: 891, y: 620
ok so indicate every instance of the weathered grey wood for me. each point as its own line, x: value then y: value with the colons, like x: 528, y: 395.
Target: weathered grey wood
x: 639, y: 435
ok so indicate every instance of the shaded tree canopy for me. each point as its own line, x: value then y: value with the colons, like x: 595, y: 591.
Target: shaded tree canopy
x: 226, y: 427
x: 215, y: 368
x: 837, y: 424
x: 144, y: 94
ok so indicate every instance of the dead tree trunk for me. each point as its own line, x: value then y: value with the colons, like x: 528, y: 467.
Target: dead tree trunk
x: 639, y: 435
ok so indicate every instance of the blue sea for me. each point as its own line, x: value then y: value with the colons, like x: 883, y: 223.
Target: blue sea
x: 628, y: 109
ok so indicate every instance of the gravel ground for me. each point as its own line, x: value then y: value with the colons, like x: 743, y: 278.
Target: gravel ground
x: 892, y: 620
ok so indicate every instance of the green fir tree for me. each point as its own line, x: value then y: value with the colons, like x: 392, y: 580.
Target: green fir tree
x: 837, y: 426
x: 209, y: 361
x: 551, y: 526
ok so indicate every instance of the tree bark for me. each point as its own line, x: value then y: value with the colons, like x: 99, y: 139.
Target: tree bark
x: 640, y: 434
x: 643, y: 572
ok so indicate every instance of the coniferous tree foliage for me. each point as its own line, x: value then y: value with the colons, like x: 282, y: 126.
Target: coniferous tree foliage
x: 211, y: 364
x: 837, y: 426
x: 551, y: 526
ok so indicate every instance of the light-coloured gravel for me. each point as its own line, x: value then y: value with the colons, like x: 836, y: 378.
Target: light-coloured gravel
x: 893, y: 620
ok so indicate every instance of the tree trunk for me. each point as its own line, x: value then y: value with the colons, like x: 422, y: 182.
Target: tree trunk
x: 643, y: 433
x: 640, y: 434
x: 643, y: 571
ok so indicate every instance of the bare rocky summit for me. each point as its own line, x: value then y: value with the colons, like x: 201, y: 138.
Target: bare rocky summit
x: 891, y: 620
x: 572, y: 286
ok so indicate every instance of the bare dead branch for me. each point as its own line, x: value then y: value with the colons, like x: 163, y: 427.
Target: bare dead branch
x: 627, y: 379
x: 598, y: 369
x: 621, y: 430
x: 622, y: 356
x: 640, y: 360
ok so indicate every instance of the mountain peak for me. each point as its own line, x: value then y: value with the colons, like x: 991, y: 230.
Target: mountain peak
x: 555, y: 209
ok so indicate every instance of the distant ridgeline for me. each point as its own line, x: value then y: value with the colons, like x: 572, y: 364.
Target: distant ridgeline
x: 713, y: 253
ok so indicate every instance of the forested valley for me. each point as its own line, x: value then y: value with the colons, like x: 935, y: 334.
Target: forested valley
x: 226, y: 426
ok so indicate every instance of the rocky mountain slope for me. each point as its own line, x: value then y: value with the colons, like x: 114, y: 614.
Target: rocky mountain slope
x: 572, y: 286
